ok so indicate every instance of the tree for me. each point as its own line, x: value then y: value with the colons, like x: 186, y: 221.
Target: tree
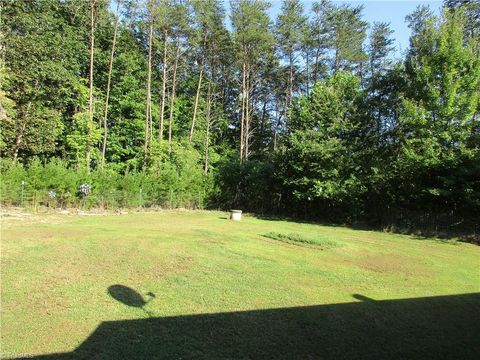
x: 164, y: 25
x: 346, y: 32
x: 418, y: 20
x: 380, y: 48
x: 253, y: 40
x: 289, y: 32
x: 317, y: 36
x: 472, y: 13
x: 127, y: 103
x: 148, y: 113
x: 44, y: 54
x: 208, y: 39
x: 321, y: 162
x: 380, y: 101
x: 90, y: 89
x: 107, y: 97
x: 216, y: 57
x: 438, y: 125
x: 180, y: 33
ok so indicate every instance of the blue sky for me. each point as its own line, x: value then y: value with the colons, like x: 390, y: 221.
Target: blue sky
x: 391, y: 11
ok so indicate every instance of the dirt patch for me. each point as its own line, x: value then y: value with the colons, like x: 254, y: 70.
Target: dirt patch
x: 42, y: 236
x: 7, y: 263
x: 15, y: 216
x: 386, y: 264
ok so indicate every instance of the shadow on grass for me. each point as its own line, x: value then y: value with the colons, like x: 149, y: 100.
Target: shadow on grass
x: 442, y: 327
x: 130, y: 297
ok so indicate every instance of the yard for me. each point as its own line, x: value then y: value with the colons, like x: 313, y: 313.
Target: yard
x: 194, y: 285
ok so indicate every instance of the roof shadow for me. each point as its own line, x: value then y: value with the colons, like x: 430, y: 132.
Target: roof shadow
x: 442, y: 327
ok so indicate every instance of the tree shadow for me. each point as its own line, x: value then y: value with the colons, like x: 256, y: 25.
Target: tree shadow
x: 442, y: 327
x: 130, y: 297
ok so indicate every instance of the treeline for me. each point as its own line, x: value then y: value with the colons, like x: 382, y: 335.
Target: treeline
x: 177, y: 103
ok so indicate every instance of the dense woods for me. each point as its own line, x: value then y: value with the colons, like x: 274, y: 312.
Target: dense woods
x: 196, y: 103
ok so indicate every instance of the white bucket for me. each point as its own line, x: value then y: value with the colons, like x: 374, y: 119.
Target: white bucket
x: 236, y: 215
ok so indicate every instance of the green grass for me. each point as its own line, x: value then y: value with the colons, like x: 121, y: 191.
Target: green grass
x: 194, y: 285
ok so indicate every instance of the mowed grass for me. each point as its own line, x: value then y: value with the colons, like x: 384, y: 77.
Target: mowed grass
x: 57, y: 271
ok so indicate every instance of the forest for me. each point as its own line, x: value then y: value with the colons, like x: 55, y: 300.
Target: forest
x: 204, y: 104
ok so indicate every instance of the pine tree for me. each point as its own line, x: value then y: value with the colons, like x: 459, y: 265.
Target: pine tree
x: 109, y: 79
x: 92, y: 4
x: 253, y: 40
x: 208, y: 42
x: 380, y: 48
x: 289, y: 33
x: 148, y: 112
x: 345, y: 32
x: 180, y: 32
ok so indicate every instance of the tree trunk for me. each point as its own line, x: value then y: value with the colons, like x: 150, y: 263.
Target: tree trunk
x: 247, y: 115
x: 264, y: 114
x: 242, y: 117
x: 207, y: 131
x: 18, y: 140
x: 195, y: 106
x: 315, y: 68
x: 290, y: 81
x: 361, y: 69
x: 275, y: 133
x: 148, y: 115
x: 110, y: 66
x: 199, y: 86
x: 308, y: 72
x: 164, y: 88
x: 172, y: 99
x: 21, y: 131
x: 337, y: 59
x: 90, y: 91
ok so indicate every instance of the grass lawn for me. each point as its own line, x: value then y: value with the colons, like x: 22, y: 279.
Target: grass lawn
x: 194, y: 285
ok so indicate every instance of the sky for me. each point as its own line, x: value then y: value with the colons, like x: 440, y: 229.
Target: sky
x: 390, y: 11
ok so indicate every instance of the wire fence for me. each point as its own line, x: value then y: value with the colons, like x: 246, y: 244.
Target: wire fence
x: 112, y: 199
